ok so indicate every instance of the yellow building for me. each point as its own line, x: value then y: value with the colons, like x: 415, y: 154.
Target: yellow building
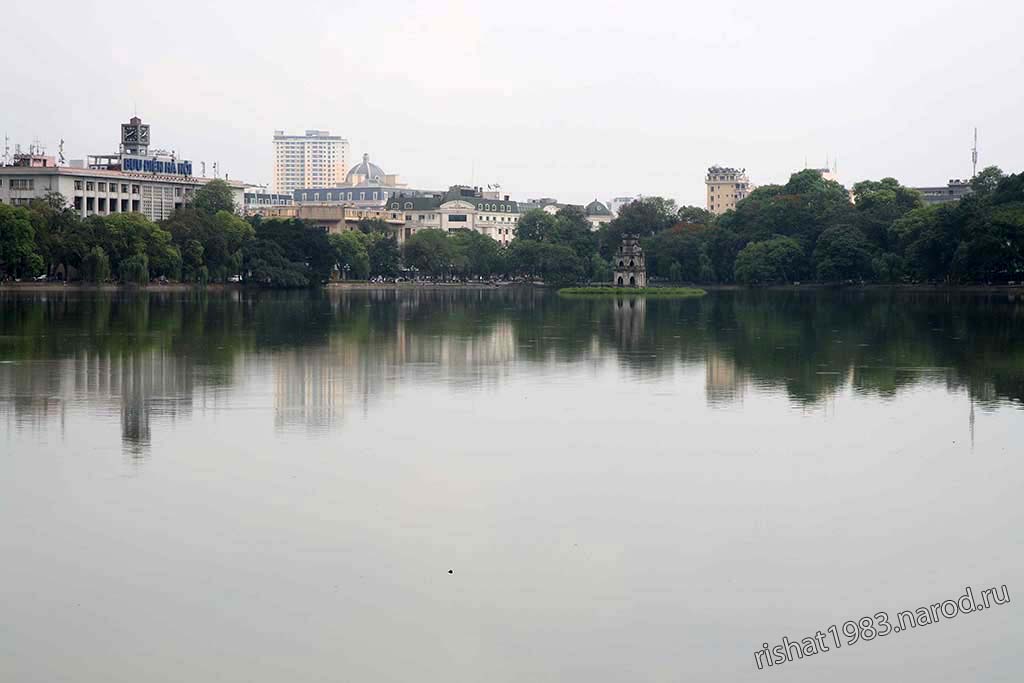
x: 726, y: 187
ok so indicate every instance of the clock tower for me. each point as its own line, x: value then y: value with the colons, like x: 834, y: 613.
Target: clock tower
x: 135, y: 137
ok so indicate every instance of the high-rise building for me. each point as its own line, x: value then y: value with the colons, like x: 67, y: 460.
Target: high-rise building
x: 316, y: 159
x: 726, y: 187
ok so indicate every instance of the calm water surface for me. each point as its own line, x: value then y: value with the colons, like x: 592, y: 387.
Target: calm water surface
x: 504, y: 485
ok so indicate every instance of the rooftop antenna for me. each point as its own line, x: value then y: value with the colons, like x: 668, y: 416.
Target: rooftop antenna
x: 60, y: 149
x: 974, y: 154
x: 203, y: 164
x: 7, y: 149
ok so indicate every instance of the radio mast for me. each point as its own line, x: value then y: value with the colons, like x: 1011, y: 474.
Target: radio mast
x: 974, y: 154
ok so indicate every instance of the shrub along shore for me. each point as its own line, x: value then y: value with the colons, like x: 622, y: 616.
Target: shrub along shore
x: 806, y: 231
x: 663, y: 292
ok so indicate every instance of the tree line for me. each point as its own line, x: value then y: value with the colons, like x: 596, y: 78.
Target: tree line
x: 805, y: 230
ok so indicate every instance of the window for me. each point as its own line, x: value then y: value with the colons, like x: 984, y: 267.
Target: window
x: 90, y: 186
x: 78, y: 185
x: 408, y: 205
x: 124, y: 188
x: 22, y: 183
x: 457, y: 218
x: 103, y: 187
x: 135, y: 189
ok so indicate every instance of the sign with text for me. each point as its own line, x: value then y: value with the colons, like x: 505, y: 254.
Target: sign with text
x: 131, y: 164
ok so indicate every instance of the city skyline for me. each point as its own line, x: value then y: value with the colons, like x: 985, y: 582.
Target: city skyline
x: 776, y: 90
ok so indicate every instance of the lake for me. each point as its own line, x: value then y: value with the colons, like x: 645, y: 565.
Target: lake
x: 505, y: 486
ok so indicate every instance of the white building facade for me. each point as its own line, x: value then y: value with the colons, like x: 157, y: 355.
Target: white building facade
x: 134, y: 180
x: 315, y: 159
x: 461, y: 208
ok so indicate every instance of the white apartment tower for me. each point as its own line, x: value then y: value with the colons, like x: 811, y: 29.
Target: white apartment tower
x: 316, y: 159
x: 726, y: 186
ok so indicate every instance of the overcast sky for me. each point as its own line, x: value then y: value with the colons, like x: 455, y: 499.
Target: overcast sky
x: 571, y: 100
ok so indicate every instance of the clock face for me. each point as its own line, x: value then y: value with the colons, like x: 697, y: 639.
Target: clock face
x: 143, y: 133
x: 129, y: 133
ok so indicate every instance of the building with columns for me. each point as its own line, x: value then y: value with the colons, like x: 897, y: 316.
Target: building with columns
x: 460, y: 208
x: 134, y: 180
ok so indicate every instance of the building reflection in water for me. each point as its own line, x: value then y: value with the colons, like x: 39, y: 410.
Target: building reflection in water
x: 140, y: 385
x: 314, y: 386
x: 723, y: 382
x: 323, y: 355
x: 628, y: 316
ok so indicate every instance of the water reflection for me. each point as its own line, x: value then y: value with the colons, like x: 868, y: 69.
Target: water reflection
x: 147, y: 356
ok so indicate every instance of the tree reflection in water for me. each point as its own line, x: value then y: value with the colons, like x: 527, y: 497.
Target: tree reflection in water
x: 150, y: 354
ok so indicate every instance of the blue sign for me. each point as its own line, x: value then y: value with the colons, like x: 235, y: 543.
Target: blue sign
x: 141, y: 165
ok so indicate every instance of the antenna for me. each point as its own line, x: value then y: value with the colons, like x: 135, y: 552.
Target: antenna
x: 974, y: 154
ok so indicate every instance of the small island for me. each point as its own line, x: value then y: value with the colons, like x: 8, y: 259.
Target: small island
x: 660, y: 292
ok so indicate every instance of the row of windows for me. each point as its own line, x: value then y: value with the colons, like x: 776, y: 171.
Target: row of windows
x: 92, y: 186
x: 23, y: 183
x: 340, y: 196
x: 100, y: 205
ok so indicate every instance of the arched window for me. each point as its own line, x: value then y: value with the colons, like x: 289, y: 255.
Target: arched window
x: 408, y: 205
x: 621, y: 264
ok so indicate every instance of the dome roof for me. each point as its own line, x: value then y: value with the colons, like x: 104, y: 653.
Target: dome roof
x: 596, y: 208
x: 369, y: 171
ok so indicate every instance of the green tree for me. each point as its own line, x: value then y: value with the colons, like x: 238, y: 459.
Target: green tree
x: 96, y: 266
x: 880, y: 203
x: 525, y: 257
x: 476, y: 254
x: 694, y: 215
x: 843, y: 253
x: 986, y: 182
x: 779, y: 259
x: 385, y: 257
x: 373, y: 225
x: 213, y: 197
x: 429, y: 251
x: 927, y: 238
x: 350, y: 254
x: 18, y: 254
x: 560, y: 265
x: 135, y: 270
x: 266, y: 264
x: 600, y: 270
x: 536, y: 225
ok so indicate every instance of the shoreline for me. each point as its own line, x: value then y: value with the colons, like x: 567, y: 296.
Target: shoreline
x: 186, y: 287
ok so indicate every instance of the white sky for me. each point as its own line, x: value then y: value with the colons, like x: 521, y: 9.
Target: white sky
x: 571, y: 100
